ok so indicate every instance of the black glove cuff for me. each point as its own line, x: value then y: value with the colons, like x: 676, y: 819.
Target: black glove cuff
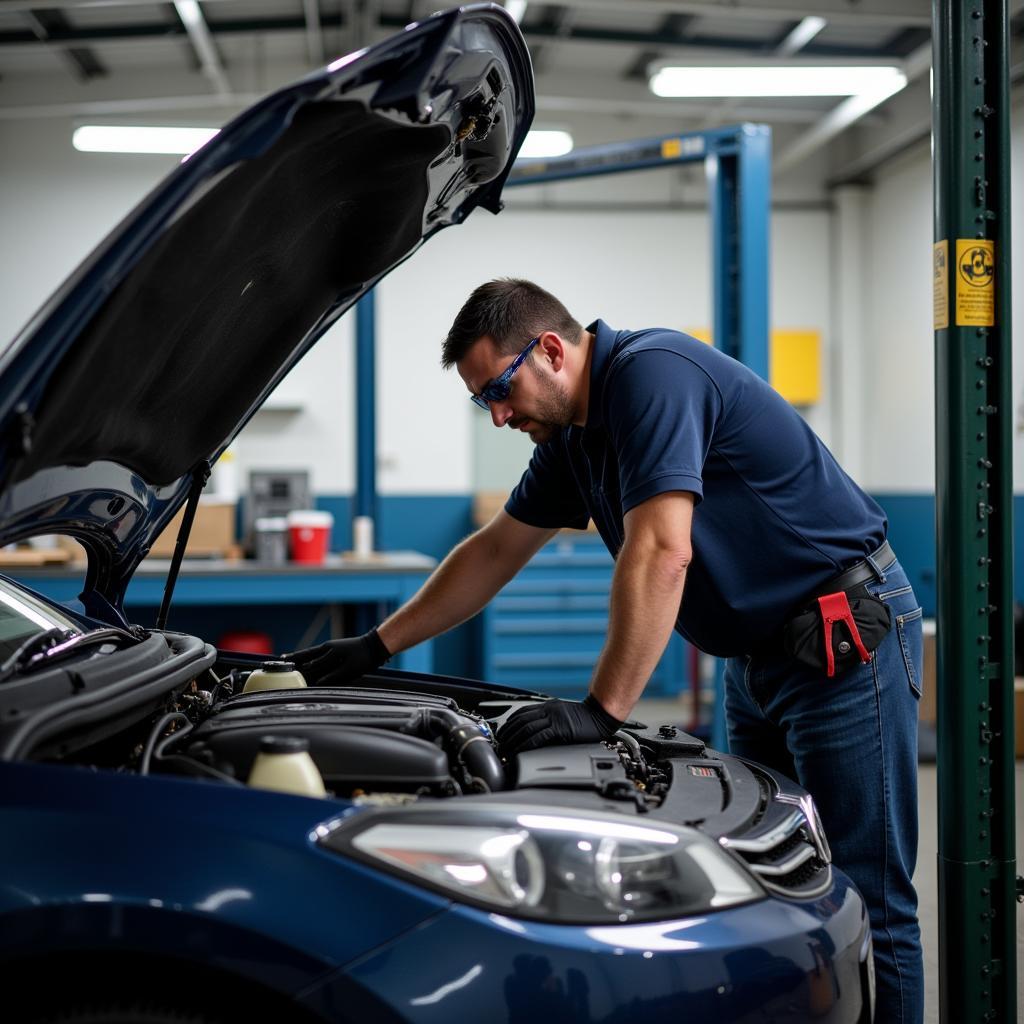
x: 608, y: 722
x: 376, y: 646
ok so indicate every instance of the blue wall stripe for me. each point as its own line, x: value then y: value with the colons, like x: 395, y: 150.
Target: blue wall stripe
x: 912, y: 534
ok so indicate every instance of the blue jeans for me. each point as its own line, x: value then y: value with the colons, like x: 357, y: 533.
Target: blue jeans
x: 851, y: 741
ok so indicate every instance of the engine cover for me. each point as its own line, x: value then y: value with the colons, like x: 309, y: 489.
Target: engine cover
x: 353, y: 746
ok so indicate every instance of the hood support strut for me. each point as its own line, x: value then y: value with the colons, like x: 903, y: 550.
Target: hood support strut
x: 199, y: 477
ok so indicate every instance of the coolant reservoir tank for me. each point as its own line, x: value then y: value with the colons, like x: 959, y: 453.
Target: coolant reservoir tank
x: 283, y: 764
x: 274, y: 675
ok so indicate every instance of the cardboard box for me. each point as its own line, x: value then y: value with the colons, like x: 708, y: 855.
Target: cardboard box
x: 487, y: 504
x: 212, y: 534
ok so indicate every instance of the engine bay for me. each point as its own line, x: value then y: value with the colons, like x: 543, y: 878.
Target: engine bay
x: 394, y: 738
x: 397, y: 744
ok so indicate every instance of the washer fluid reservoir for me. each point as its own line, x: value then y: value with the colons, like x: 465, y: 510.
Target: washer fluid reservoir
x: 274, y: 675
x: 283, y: 764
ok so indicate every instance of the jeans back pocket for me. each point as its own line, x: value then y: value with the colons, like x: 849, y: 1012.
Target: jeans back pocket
x: 908, y: 628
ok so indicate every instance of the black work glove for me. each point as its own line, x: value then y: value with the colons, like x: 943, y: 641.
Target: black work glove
x: 556, y: 722
x: 337, y: 662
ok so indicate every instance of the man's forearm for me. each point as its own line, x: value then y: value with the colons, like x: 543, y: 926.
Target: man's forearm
x: 470, y: 575
x: 646, y: 590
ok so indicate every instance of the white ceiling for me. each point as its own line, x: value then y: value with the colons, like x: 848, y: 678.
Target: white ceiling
x: 122, y: 60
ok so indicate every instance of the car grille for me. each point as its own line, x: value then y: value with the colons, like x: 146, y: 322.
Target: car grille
x: 791, y: 856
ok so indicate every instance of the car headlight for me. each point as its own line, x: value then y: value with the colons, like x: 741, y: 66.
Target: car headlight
x: 549, y: 864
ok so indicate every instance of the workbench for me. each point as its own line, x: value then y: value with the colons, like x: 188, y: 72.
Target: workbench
x: 379, y: 584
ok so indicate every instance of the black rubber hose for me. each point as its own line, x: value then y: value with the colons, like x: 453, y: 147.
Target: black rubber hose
x: 469, y: 746
x: 147, y: 751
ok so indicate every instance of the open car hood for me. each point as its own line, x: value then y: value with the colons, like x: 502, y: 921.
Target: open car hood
x: 139, y: 371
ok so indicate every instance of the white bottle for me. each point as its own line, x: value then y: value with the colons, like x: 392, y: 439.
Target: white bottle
x: 283, y: 764
x: 274, y: 675
x: 224, y: 476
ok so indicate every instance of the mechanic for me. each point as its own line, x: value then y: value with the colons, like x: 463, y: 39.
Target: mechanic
x: 697, y: 473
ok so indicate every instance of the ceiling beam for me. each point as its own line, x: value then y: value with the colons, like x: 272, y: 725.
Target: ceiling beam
x: 556, y: 24
x: 677, y: 113
x: 905, y: 41
x: 908, y: 122
x: 191, y: 16
x: 800, y: 35
x: 657, y: 37
x: 671, y: 42
x: 314, y: 33
x: 882, y: 12
x: 230, y: 105
x: 674, y: 25
x: 81, y: 61
x: 847, y: 113
x: 899, y: 12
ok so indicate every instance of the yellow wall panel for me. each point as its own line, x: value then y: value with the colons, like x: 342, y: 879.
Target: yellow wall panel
x: 794, y: 363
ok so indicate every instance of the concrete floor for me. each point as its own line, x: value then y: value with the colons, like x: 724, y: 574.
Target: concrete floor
x: 655, y: 712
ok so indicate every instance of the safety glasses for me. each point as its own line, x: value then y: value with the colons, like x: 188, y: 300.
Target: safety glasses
x: 497, y: 390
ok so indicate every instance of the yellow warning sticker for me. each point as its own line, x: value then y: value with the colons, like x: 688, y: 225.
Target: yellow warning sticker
x: 975, y: 282
x: 671, y: 148
x: 940, y: 285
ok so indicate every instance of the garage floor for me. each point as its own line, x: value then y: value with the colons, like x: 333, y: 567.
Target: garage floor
x: 657, y: 711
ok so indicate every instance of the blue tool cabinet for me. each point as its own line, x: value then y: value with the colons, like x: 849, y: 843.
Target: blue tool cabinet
x: 546, y: 628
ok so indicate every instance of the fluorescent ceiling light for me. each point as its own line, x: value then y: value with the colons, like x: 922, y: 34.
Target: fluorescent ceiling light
x: 545, y: 143
x: 777, y: 80
x: 517, y: 8
x: 104, y: 138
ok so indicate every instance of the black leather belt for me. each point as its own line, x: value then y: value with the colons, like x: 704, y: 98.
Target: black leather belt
x: 858, y: 573
x: 861, y: 572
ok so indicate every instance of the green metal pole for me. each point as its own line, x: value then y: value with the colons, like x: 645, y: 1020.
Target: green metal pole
x: 971, y: 262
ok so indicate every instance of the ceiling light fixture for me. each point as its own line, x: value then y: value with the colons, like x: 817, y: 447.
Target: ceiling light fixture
x: 108, y: 138
x: 777, y: 80
x: 545, y: 143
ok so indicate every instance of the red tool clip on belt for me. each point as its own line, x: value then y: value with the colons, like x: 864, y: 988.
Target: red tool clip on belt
x: 836, y: 608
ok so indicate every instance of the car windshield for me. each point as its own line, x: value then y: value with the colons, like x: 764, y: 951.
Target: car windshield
x: 23, y: 616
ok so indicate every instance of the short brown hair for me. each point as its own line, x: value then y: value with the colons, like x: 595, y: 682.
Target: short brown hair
x: 511, y: 311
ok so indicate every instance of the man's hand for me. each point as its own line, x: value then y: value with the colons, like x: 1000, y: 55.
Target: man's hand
x: 337, y: 662
x: 556, y: 722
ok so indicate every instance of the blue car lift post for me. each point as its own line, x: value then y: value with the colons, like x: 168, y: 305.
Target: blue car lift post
x: 364, y: 501
x: 737, y: 162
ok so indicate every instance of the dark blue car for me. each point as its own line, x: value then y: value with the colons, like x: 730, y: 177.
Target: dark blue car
x: 410, y: 875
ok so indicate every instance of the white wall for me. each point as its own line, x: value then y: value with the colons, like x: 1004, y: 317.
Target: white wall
x: 899, y: 343
x: 633, y: 250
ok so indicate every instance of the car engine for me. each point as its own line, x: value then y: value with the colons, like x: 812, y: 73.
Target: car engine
x: 379, y: 745
x: 361, y: 740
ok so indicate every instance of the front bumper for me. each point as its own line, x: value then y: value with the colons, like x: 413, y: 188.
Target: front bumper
x: 778, y: 960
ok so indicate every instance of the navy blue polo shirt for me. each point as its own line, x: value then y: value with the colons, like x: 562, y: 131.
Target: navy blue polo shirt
x: 775, y: 515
